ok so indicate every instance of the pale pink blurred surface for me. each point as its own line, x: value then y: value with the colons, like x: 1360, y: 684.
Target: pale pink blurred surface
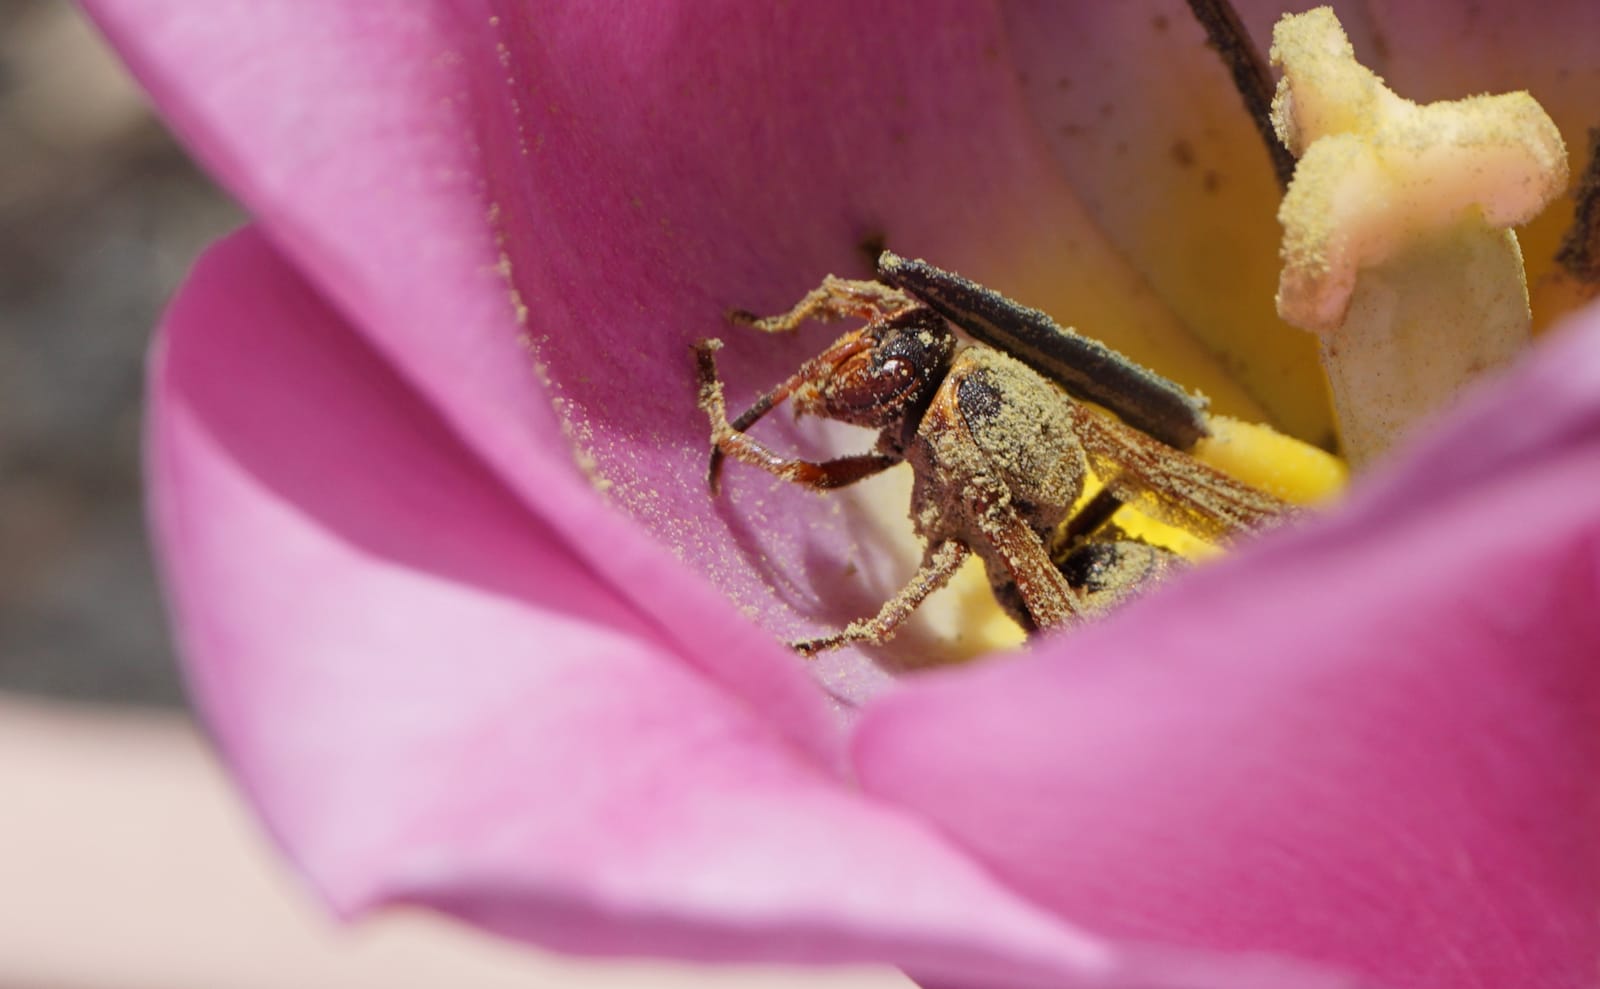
x: 126, y: 861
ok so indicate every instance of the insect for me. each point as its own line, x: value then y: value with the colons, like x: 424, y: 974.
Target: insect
x: 998, y: 442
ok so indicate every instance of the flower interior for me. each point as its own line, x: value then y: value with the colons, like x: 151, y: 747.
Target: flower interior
x: 1395, y: 241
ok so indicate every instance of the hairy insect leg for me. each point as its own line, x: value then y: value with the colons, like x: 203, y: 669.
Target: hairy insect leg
x: 728, y: 438
x: 833, y: 300
x: 939, y: 564
x: 1045, y: 593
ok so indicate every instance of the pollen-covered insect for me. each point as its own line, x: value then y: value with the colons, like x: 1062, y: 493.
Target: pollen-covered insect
x: 999, y: 448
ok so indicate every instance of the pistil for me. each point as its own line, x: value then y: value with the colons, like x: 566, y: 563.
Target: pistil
x: 1397, y: 249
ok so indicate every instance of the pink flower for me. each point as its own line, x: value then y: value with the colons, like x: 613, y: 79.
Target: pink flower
x: 448, y: 671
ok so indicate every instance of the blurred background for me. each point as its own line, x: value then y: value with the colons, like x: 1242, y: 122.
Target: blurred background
x: 125, y: 860
x: 100, y: 216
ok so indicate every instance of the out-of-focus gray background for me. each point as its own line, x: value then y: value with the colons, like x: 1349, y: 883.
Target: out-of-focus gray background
x: 100, y: 216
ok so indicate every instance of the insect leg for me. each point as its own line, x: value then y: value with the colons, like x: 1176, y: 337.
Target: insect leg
x: 833, y: 300
x: 727, y: 438
x: 939, y: 564
x: 1090, y: 517
x: 1050, y: 600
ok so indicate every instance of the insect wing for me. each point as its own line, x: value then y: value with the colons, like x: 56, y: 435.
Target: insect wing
x: 1172, y: 486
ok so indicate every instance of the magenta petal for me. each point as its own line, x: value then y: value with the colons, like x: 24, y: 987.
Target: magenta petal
x: 1371, y: 742
x: 347, y: 129
x: 431, y: 699
x: 471, y: 181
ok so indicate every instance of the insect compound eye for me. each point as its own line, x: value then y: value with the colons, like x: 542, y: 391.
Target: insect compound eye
x: 865, y: 389
x: 896, y: 376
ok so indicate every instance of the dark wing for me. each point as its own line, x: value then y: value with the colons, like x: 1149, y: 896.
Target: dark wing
x: 1140, y: 397
x: 1170, y: 485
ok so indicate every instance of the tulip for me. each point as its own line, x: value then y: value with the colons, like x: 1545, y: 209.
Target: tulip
x: 428, y: 487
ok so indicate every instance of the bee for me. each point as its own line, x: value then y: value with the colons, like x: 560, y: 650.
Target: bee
x: 999, y: 439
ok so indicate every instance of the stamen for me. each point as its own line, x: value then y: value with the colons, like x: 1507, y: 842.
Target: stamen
x: 1396, y: 244
x: 1250, y: 75
x: 1580, y: 249
x: 1576, y: 278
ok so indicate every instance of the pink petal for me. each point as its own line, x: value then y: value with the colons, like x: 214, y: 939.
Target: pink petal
x: 1370, y: 742
x: 431, y: 699
x: 628, y: 173
x: 345, y: 126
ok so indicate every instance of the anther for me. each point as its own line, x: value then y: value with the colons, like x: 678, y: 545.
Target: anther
x: 1250, y: 75
x: 1575, y: 279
